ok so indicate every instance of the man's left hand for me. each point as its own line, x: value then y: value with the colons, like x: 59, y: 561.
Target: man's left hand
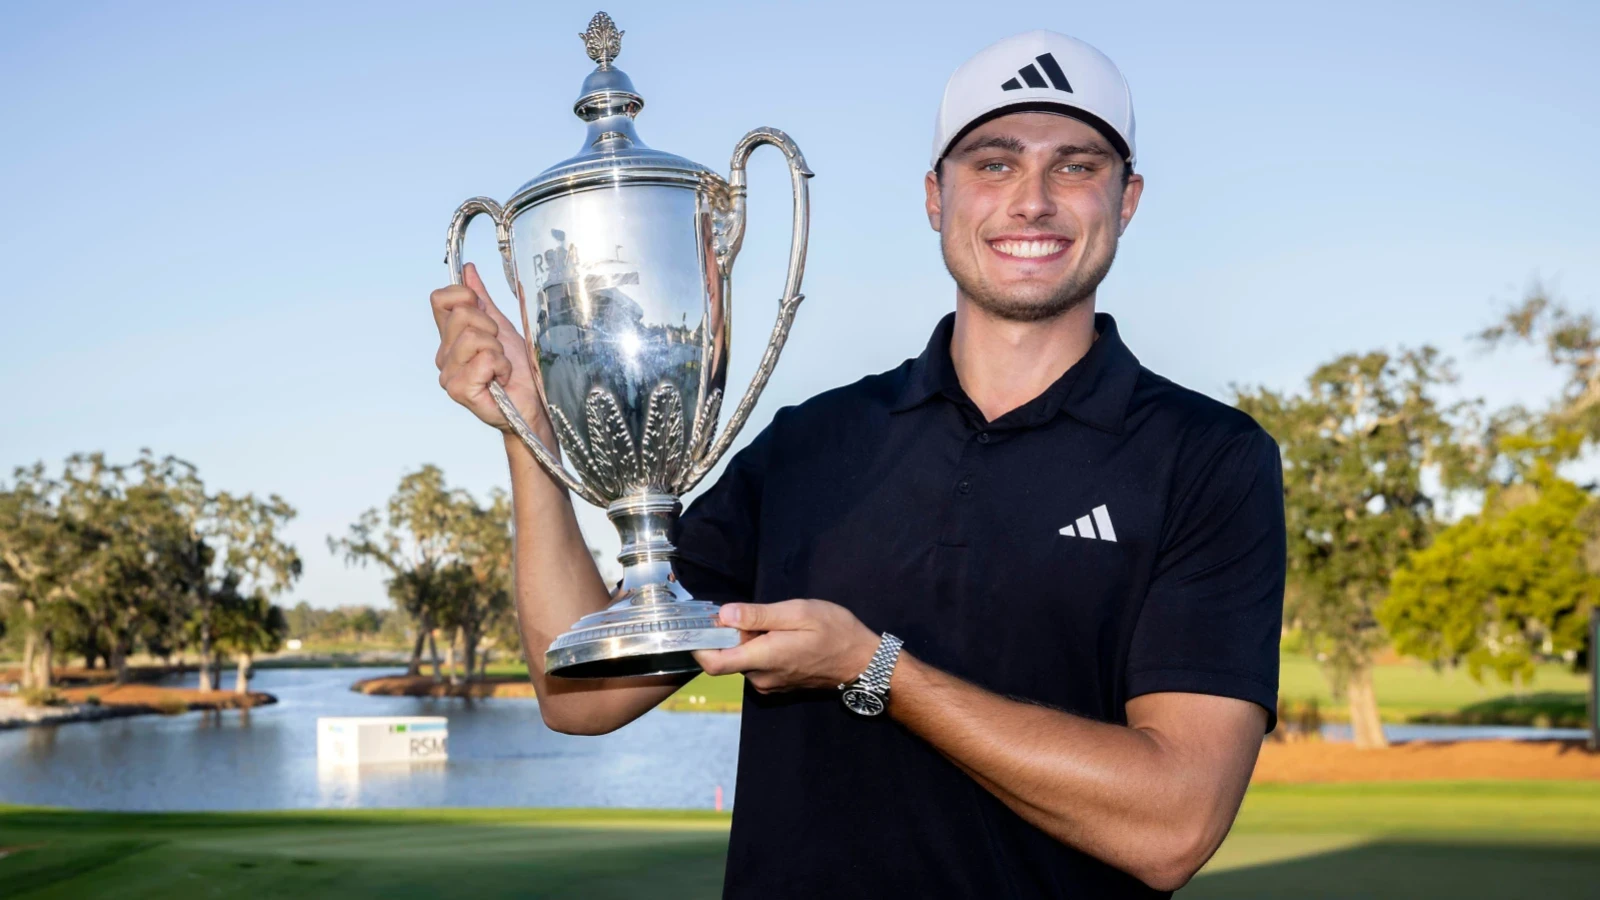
x: 792, y: 645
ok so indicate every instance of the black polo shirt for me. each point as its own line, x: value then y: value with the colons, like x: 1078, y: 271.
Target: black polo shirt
x: 1118, y: 535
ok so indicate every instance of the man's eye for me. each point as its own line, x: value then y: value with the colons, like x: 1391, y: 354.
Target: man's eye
x: 994, y: 167
x: 1075, y: 168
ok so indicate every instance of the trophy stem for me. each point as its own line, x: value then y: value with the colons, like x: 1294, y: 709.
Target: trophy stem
x: 653, y: 626
x: 644, y: 522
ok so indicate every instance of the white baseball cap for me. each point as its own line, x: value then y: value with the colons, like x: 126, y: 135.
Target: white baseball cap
x: 1037, y: 71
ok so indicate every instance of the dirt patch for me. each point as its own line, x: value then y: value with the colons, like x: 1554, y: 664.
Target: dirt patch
x: 424, y: 686
x: 160, y: 699
x: 1323, y: 761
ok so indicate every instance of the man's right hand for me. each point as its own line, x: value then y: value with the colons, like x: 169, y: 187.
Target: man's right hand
x: 479, y: 345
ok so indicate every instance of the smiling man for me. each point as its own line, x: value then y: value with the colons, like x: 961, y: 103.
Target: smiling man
x: 1012, y: 608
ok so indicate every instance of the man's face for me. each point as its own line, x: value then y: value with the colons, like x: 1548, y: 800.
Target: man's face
x: 1028, y: 208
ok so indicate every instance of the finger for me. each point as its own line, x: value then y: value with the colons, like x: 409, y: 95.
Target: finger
x: 765, y: 682
x: 447, y: 299
x: 468, y: 387
x: 788, y: 615
x: 469, y: 344
x: 746, y: 657
x: 462, y: 319
x: 473, y: 378
x: 484, y: 302
x: 474, y: 282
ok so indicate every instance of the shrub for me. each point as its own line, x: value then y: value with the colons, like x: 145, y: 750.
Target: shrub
x: 170, y: 705
x: 43, y: 697
x: 91, y: 700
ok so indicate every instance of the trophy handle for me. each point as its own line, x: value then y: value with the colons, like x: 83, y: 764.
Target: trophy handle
x: 452, y: 257
x: 790, y: 302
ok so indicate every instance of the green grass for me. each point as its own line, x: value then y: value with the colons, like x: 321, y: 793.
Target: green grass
x: 1411, y: 691
x: 388, y: 854
x: 1464, y: 840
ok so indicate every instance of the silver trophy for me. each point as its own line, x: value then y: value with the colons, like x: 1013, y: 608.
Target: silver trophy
x: 620, y: 258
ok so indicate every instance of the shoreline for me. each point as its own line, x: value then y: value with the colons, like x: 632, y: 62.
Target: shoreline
x: 511, y: 687
x: 114, y: 702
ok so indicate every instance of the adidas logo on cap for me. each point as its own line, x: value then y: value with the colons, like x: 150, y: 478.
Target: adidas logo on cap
x: 1058, y: 78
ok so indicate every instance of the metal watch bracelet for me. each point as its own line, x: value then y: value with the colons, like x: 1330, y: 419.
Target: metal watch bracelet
x: 867, y: 693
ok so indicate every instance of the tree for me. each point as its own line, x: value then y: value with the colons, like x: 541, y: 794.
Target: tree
x: 140, y: 591
x: 1498, y: 589
x: 483, y: 544
x: 448, y: 559
x: 251, y: 559
x: 1354, y: 447
x: 49, y: 552
x: 1571, y: 342
x: 365, y: 623
x: 246, y: 628
x: 413, y: 542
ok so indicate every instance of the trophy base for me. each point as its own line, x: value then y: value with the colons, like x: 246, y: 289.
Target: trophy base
x: 632, y: 640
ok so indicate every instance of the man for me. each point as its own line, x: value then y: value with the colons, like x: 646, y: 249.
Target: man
x: 1084, y: 561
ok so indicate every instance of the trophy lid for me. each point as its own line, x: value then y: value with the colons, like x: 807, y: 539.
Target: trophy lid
x: 612, y: 150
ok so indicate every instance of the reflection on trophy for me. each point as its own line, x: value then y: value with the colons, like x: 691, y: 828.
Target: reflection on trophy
x: 620, y: 258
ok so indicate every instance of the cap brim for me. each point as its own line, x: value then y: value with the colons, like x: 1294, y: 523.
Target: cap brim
x: 1087, y: 117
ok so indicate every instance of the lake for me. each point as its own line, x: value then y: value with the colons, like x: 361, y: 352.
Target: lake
x: 501, y: 755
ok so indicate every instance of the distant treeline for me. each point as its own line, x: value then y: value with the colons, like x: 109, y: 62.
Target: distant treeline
x: 348, y: 624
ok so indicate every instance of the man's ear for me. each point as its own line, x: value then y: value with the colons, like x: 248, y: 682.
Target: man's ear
x: 1131, y: 192
x: 931, y: 184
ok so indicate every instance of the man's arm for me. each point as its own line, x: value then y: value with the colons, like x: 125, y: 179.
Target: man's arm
x: 556, y: 582
x: 1154, y: 798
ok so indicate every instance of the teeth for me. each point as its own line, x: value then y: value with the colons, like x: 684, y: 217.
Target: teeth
x: 1028, y: 249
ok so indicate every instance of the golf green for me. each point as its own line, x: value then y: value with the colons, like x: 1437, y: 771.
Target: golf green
x: 1463, y: 840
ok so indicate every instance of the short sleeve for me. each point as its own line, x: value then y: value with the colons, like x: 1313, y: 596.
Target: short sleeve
x: 718, y: 535
x: 1213, y: 616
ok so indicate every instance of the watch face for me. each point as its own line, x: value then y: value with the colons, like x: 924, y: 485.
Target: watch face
x: 864, y: 703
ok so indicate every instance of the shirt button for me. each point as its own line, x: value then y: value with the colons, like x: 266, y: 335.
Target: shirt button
x: 965, y: 486
x: 983, y: 437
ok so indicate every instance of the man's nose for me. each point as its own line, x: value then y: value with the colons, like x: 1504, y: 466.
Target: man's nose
x: 1032, y: 200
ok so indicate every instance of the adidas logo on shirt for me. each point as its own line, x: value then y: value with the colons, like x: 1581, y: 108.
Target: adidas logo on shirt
x: 1030, y: 75
x: 1095, y: 526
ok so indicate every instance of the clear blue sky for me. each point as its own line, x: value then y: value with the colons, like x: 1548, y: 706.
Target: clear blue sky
x: 219, y: 222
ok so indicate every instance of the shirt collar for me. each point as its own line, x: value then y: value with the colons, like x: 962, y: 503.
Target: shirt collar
x: 1095, y: 390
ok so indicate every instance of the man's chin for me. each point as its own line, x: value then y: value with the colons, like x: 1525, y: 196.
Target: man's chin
x: 1026, y: 307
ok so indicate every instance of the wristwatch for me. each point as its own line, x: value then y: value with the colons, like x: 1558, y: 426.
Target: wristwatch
x: 868, y: 695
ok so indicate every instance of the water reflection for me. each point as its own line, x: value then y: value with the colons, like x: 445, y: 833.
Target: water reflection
x: 501, y: 754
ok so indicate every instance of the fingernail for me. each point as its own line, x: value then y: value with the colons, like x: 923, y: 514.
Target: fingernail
x: 730, y: 613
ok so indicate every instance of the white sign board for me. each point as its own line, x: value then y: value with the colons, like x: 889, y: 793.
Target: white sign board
x: 359, y: 740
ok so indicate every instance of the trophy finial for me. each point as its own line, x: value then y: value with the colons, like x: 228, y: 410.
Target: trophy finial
x: 602, y: 40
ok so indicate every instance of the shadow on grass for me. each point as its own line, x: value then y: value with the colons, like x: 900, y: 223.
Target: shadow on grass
x: 1546, y: 709
x: 1388, y: 868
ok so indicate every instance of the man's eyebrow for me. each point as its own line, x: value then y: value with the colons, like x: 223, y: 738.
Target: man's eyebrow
x: 994, y: 142
x: 1017, y: 146
x: 1082, y: 149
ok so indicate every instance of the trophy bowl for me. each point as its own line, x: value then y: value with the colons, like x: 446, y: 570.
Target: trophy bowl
x: 620, y: 258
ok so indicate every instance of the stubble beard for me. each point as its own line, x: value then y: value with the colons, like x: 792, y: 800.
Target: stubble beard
x: 1077, y: 288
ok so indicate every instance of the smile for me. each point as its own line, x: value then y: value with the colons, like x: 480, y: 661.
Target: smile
x: 1031, y: 248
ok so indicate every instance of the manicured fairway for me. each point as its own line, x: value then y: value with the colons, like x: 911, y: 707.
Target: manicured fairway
x: 388, y: 854
x: 1461, y: 840
x: 1408, y: 688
